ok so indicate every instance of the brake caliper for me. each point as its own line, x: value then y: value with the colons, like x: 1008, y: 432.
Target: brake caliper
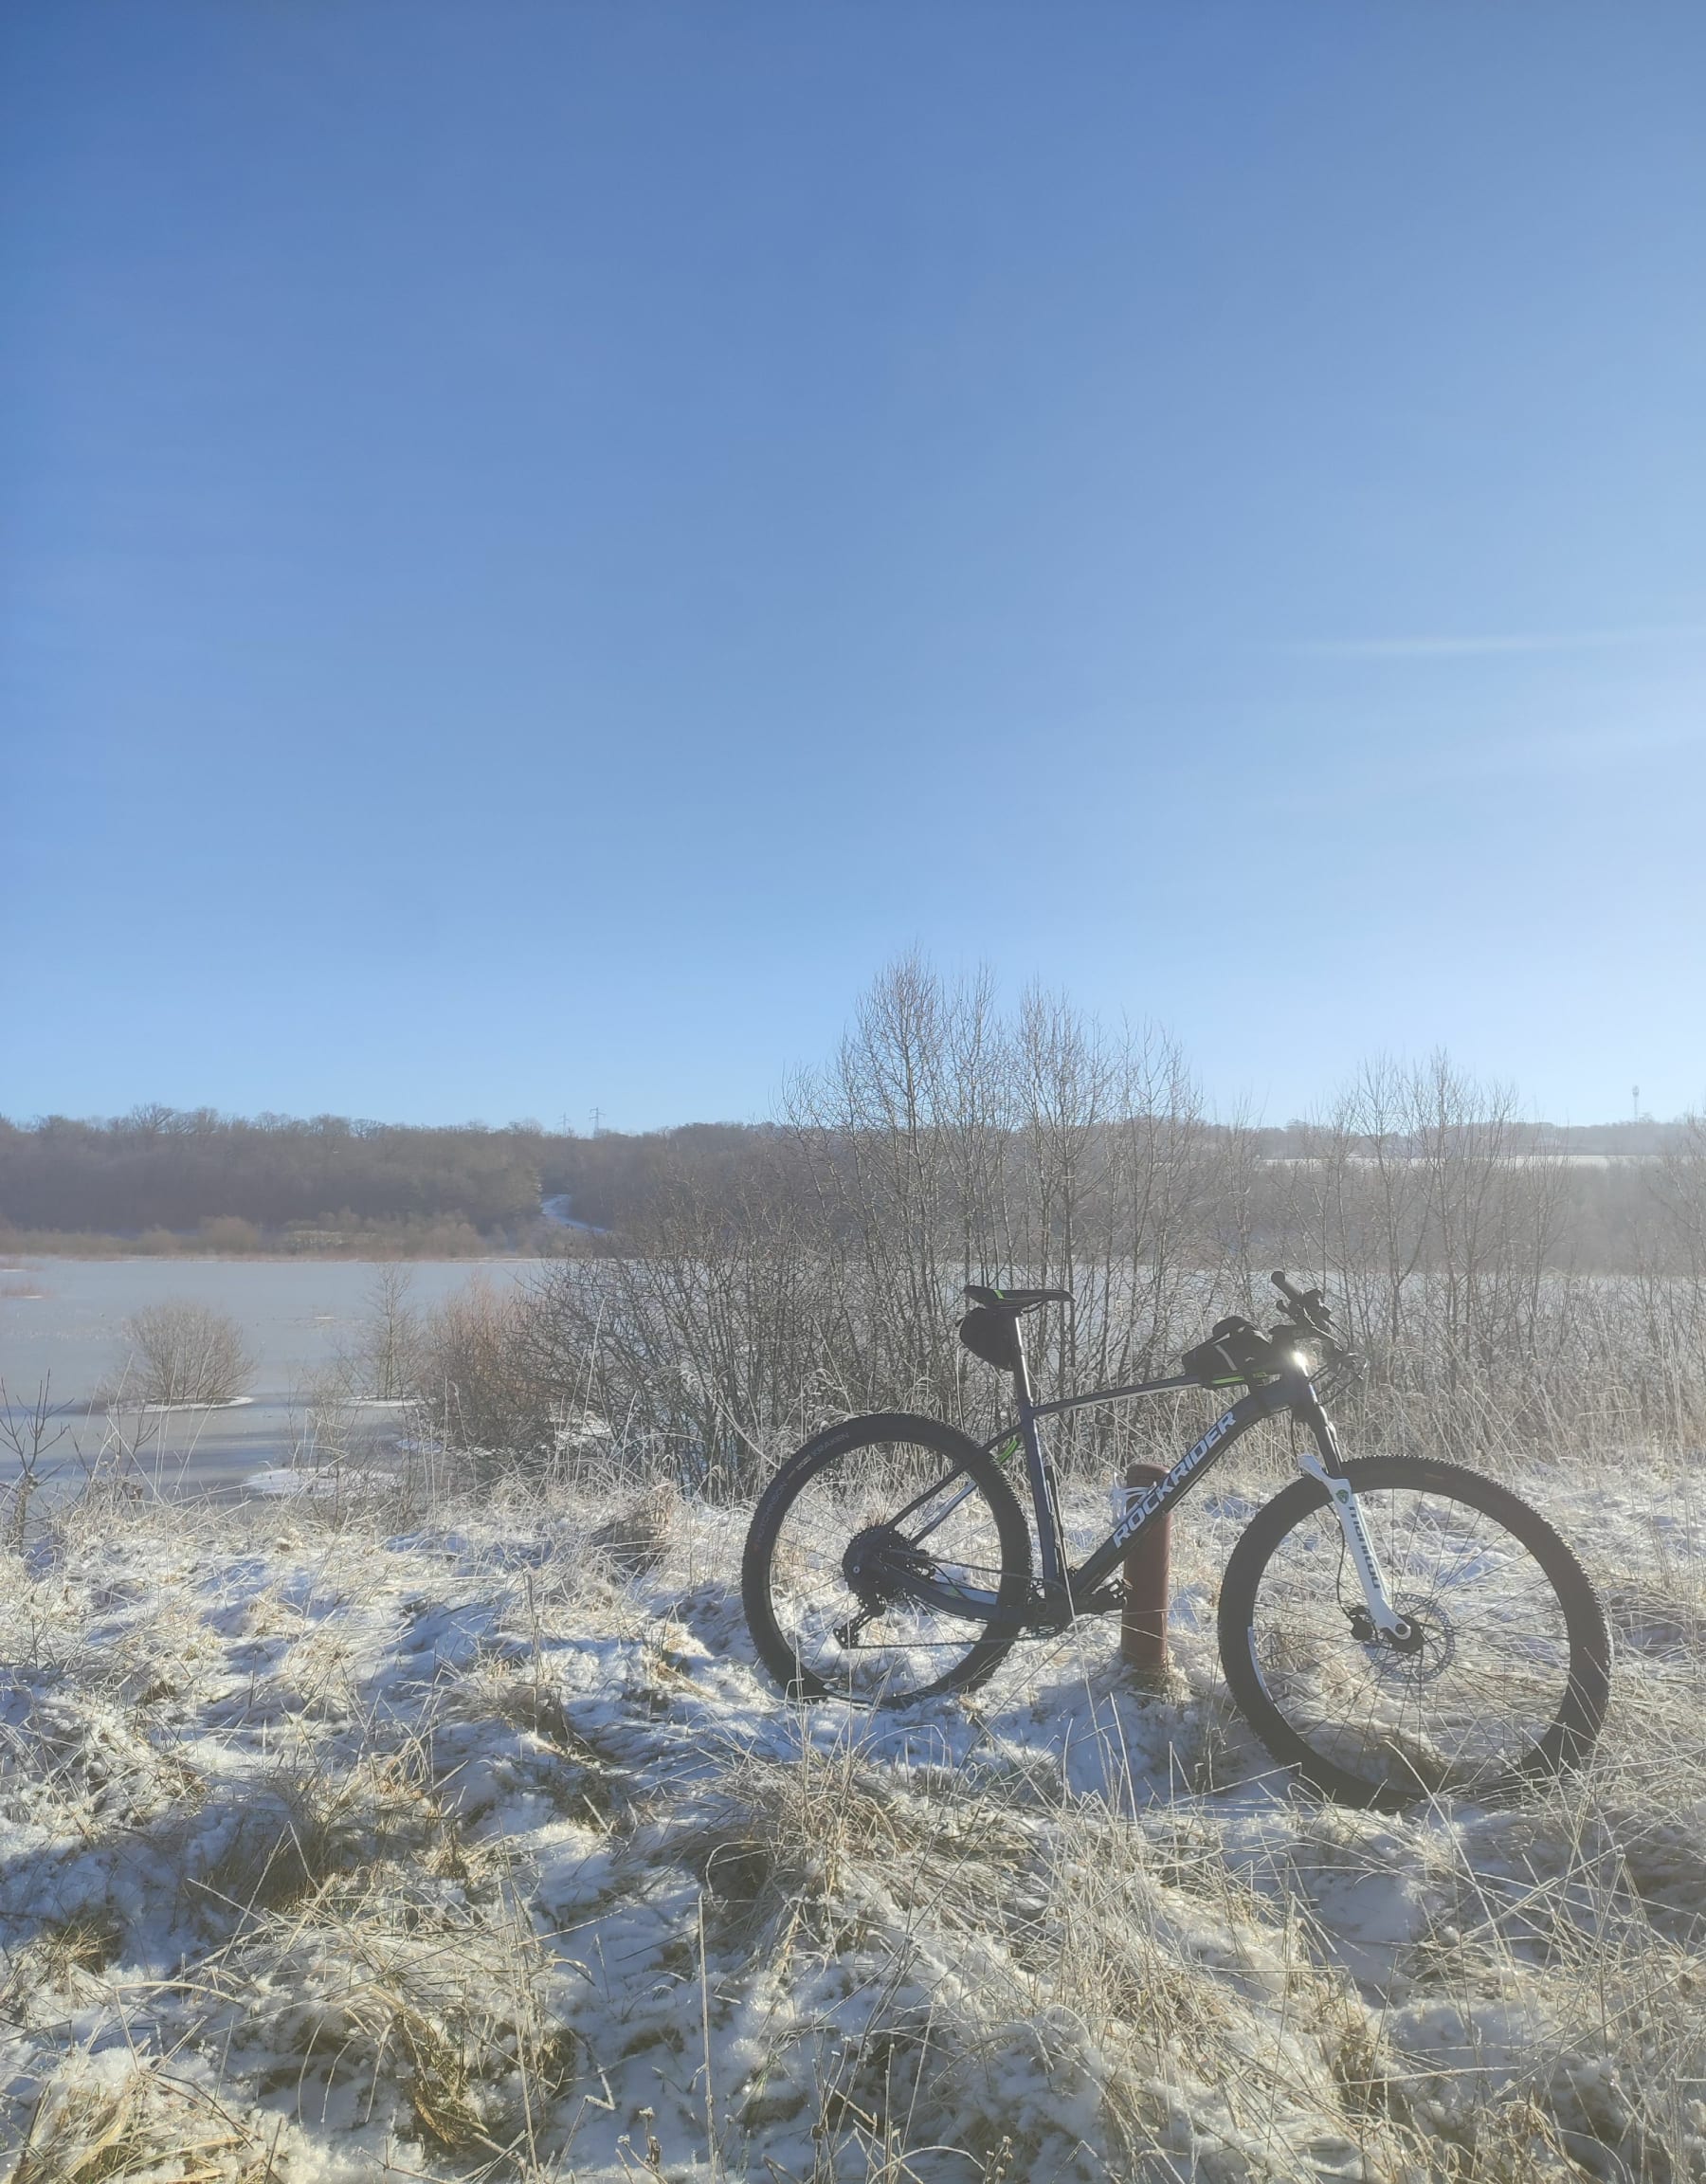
x: 1408, y: 1639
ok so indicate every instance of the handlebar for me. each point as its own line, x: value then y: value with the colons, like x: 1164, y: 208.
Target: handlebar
x: 1308, y: 1305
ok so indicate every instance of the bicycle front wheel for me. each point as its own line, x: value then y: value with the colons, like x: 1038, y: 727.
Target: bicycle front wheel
x: 861, y: 1513
x: 1506, y: 1673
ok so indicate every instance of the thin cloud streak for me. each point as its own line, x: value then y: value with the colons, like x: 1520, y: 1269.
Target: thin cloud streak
x: 1475, y: 647
x: 1383, y: 773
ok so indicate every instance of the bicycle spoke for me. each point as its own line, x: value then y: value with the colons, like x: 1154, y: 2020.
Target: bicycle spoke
x: 1490, y: 1671
x: 884, y: 1567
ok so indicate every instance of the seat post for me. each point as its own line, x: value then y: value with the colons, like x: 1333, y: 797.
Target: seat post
x: 1049, y: 1517
x: 1023, y: 1389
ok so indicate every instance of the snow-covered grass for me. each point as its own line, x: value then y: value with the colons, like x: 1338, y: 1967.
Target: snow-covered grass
x: 344, y: 1839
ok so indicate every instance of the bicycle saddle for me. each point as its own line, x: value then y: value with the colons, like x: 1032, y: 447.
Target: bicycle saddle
x: 1015, y: 1300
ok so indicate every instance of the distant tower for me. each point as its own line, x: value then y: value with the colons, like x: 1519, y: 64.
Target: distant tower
x: 1635, y: 1098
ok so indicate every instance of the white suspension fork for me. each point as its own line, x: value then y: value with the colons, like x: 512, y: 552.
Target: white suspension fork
x: 1360, y: 1548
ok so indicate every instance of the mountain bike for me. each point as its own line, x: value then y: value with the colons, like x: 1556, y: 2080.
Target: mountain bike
x: 1391, y: 1628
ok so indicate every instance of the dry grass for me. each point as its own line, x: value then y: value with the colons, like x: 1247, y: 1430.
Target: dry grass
x: 91, y: 2127
x: 469, y: 1841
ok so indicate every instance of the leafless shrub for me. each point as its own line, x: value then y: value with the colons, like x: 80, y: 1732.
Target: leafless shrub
x: 230, y: 1233
x: 387, y: 1346
x: 182, y: 1352
x: 28, y: 1436
x: 477, y: 1377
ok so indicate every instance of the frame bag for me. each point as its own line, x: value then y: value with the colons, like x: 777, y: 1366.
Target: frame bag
x: 1234, y: 1352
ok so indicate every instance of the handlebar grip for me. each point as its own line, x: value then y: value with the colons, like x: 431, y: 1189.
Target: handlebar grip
x: 1308, y: 1305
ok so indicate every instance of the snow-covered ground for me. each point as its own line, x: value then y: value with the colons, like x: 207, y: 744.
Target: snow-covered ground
x: 342, y: 1840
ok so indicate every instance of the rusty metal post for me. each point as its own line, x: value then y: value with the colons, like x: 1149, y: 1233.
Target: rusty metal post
x: 1148, y: 1582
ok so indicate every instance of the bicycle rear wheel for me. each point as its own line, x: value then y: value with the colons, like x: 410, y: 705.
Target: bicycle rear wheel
x: 1505, y: 1678
x: 844, y: 1525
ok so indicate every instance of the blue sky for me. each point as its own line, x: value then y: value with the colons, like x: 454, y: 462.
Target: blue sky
x: 544, y: 542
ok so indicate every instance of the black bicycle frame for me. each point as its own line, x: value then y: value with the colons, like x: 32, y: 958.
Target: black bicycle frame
x: 1292, y: 1391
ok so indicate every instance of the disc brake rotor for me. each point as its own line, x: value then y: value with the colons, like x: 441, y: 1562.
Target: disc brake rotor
x: 1425, y: 1650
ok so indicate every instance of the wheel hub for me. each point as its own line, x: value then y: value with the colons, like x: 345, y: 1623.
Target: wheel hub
x: 878, y: 1563
x: 1421, y: 1650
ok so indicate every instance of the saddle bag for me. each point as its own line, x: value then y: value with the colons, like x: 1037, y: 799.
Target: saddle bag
x: 989, y: 1333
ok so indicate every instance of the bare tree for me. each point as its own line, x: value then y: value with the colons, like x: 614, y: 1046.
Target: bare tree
x: 390, y: 1337
x: 182, y: 1352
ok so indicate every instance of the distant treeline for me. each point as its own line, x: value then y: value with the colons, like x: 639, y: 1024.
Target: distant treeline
x: 243, y: 1183
x: 162, y: 1169
x: 163, y: 1173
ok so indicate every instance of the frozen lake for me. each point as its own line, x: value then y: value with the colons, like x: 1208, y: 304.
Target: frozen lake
x: 63, y: 1319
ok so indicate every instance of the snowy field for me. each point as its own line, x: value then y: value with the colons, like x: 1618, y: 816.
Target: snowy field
x: 469, y: 1842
